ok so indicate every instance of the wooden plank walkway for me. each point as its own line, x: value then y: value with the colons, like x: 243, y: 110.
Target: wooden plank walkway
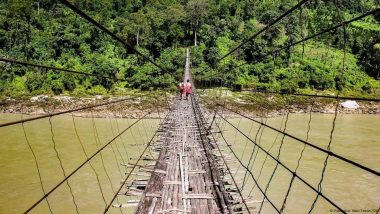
x: 184, y: 178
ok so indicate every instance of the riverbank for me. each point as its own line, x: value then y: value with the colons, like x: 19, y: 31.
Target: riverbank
x: 272, y: 105
x: 137, y: 105
x: 130, y: 106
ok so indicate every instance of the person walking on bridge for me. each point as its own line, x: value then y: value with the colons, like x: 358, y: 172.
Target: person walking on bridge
x: 182, y: 90
x: 189, y: 89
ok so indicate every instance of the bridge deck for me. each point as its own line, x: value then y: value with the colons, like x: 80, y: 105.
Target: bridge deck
x: 184, y: 178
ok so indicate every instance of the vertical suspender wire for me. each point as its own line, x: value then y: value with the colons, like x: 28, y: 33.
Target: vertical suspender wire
x: 140, y: 137
x: 122, y: 140
x: 115, y: 156
x: 96, y: 138
x: 158, y: 109
x: 258, y: 140
x: 145, y: 133
x: 137, y: 139
x: 36, y: 163
x: 167, y: 103
x: 266, y: 156
x: 117, y: 148
x: 134, y: 166
x: 255, y: 180
x: 299, y: 159
x: 91, y: 166
x: 98, y: 145
x: 309, y: 121
x: 149, y: 126
x: 336, y: 109
x: 245, y: 147
x: 251, y: 156
x: 61, y: 165
x: 261, y: 128
x: 278, y: 158
x: 234, y: 142
x: 221, y: 131
x: 229, y: 171
x: 147, y: 137
x: 117, y: 163
x: 112, y: 149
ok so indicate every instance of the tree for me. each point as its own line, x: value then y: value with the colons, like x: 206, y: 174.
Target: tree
x: 196, y: 10
x: 370, y: 60
x: 175, y: 17
x: 139, y: 24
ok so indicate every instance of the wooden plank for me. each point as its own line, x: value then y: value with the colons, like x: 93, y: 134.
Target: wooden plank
x: 153, y: 171
x: 198, y: 196
x: 125, y: 205
x: 193, y: 172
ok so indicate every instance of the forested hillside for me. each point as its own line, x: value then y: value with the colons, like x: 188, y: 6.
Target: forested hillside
x: 45, y: 32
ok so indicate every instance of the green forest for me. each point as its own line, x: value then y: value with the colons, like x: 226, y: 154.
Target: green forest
x: 46, y: 32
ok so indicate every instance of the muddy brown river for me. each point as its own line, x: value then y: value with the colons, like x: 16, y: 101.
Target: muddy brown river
x: 356, y: 137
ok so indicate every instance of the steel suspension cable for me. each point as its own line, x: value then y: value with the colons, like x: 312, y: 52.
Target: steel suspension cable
x: 98, y: 144
x: 37, y: 166
x: 69, y: 111
x: 299, y: 159
x: 244, y: 150
x: 219, y: 189
x: 299, y: 5
x: 81, y: 165
x: 61, y: 165
x: 313, y: 95
x: 251, y: 156
x: 12, y: 61
x: 287, y: 168
x: 372, y: 171
x: 266, y: 156
x: 87, y: 157
x: 113, y: 133
x: 107, y: 31
x: 134, y: 166
x: 327, y: 30
x: 245, y: 167
x: 229, y: 171
x: 278, y: 158
x: 335, y: 113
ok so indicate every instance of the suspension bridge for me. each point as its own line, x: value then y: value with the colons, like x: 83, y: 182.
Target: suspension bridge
x: 189, y: 159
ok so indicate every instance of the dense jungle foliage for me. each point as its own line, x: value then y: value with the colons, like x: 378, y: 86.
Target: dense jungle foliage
x: 46, y: 32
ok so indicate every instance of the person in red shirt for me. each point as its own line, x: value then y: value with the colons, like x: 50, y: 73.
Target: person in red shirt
x: 182, y: 90
x: 189, y: 89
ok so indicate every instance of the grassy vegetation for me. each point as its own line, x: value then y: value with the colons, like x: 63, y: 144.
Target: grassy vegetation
x: 46, y: 32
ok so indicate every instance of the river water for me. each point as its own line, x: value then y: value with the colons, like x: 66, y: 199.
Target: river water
x: 356, y: 137
x: 19, y: 181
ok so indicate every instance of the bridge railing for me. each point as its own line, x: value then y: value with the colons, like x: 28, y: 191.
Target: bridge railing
x: 274, y: 175
x: 79, y: 161
x: 66, y: 147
